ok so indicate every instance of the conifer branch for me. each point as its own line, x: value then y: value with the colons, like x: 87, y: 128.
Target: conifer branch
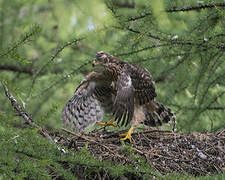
x: 192, y: 108
x: 174, y: 43
x: 216, y: 108
x: 52, y: 59
x: 63, y: 78
x: 144, y: 49
x: 17, y: 69
x: 24, y: 39
x: 139, y: 17
x: 192, y: 8
x: 28, y: 119
x: 170, y: 40
x: 214, y: 99
x: 124, y: 4
x: 148, y: 34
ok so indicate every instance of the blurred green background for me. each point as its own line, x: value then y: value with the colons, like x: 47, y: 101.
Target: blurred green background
x: 183, y: 48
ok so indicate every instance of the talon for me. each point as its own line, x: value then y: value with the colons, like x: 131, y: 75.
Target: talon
x: 128, y: 135
x: 109, y: 123
x: 101, y: 124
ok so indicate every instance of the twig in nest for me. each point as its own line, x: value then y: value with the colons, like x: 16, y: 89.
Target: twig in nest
x: 24, y: 114
x: 92, y: 141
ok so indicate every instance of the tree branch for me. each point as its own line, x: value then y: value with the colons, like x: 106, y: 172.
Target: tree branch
x: 192, y: 108
x: 63, y: 78
x: 147, y: 34
x: 124, y: 4
x: 34, y: 30
x: 192, y: 8
x: 216, y: 108
x: 143, y: 49
x: 138, y: 17
x: 52, y: 59
x: 24, y: 114
x: 17, y: 69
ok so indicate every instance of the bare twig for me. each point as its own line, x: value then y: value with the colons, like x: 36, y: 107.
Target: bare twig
x: 89, y: 140
x: 17, y: 69
x: 28, y: 119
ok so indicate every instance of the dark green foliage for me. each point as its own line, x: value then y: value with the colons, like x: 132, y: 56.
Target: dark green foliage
x: 46, y: 48
x: 25, y: 154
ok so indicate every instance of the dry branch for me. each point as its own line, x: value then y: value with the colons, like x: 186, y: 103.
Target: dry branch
x: 28, y: 119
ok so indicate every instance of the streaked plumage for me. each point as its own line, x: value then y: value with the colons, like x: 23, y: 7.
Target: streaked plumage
x: 123, y: 89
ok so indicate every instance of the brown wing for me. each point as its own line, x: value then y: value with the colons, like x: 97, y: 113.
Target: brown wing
x: 86, y: 107
x: 124, y: 102
x: 144, y: 88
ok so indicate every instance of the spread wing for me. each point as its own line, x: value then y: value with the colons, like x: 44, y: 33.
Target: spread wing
x: 86, y: 106
x: 144, y: 88
x: 124, y: 102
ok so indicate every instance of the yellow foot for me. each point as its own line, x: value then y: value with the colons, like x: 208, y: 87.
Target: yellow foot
x: 128, y: 135
x: 109, y: 123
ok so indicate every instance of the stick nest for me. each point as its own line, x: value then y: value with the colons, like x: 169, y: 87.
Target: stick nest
x: 165, y: 151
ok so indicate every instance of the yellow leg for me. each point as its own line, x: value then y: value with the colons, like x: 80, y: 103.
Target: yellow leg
x: 109, y: 123
x: 128, y: 135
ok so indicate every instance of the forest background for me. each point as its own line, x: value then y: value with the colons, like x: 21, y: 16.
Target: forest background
x: 46, y: 48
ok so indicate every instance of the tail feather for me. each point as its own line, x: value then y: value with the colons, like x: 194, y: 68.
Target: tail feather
x: 156, y: 114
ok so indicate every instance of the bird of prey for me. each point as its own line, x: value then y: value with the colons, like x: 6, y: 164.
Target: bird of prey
x: 122, y: 89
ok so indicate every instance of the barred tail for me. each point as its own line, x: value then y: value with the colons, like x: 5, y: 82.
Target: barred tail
x: 156, y: 114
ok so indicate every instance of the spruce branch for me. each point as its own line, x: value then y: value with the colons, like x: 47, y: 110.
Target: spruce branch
x: 221, y: 47
x: 192, y: 108
x: 25, y: 38
x: 52, y: 59
x: 192, y: 8
x: 127, y: 4
x: 210, y: 84
x: 183, y: 9
x: 63, y: 78
x: 148, y: 34
x: 175, y: 43
x: 22, y: 112
x: 216, y: 108
x: 214, y: 100
x: 139, y: 17
x: 144, y: 49
x: 17, y: 69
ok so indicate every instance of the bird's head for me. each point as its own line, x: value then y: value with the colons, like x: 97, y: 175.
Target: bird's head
x: 103, y: 59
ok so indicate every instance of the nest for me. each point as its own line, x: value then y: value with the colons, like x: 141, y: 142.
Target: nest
x: 167, y: 152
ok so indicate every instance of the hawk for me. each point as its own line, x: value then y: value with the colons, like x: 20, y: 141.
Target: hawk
x: 122, y: 89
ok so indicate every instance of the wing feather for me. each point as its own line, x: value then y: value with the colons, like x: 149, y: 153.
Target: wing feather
x: 144, y: 88
x: 87, y: 104
x: 124, y: 101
